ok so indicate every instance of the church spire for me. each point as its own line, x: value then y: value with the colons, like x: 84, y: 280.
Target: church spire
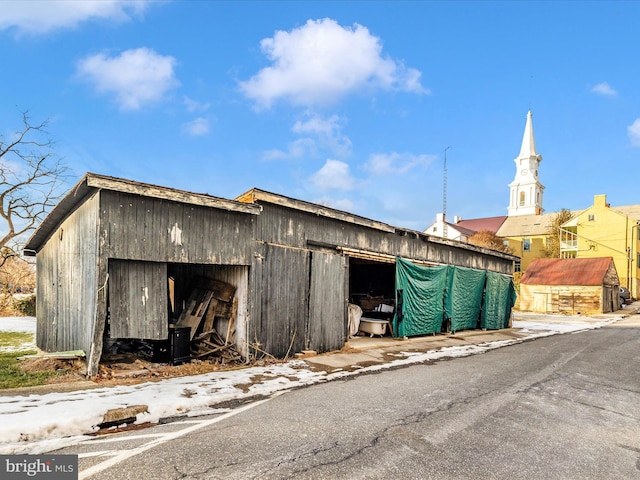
x: 526, y: 189
x: 528, y: 148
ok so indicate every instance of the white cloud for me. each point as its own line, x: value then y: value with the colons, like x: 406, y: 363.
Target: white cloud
x: 334, y: 175
x: 396, y: 163
x: 328, y: 131
x: 633, y: 131
x: 321, y: 62
x: 197, y: 127
x: 604, y: 89
x: 136, y: 77
x: 195, y: 106
x: 303, y: 147
x: 39, y: 17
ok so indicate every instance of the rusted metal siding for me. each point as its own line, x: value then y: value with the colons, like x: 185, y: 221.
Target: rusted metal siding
x: 327, y: 326
x: 286, y: 226
x: 152, y: 229
x: 67, y: 282
x: 138, y: 300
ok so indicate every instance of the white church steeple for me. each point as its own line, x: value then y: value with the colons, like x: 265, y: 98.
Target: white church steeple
x: 526, y: 189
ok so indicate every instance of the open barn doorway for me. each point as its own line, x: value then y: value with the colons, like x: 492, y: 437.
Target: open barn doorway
x: 372, y: 290
x: 186, y: 311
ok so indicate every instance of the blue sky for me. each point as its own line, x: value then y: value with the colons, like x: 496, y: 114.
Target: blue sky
x: 349, y: 104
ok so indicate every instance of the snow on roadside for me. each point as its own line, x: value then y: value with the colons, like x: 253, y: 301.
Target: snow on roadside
x: 42, y: 423
x: 18, y: 324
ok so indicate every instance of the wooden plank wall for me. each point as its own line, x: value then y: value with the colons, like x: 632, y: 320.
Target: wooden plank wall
x: 327, y: 326
x: 285, y: 226
x: 284, y: 297
x: 67, y: 283
x: 573, y: 300
x: 138, y: 299
x: 142, y: 228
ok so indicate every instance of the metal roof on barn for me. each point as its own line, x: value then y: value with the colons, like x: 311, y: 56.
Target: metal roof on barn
x: 567, y: 271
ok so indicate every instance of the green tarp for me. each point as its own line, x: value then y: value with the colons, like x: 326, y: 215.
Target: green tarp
x: 419, y: 298
x: 427, y: 297
x: 463, y: 301
x: 500, y: 297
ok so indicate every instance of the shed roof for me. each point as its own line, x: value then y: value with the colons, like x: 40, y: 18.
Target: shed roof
x: 567, y: 271
x: 91, y: 183
x: 256, y: 195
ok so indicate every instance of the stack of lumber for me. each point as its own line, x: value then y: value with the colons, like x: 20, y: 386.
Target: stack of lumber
x: 211, y: 307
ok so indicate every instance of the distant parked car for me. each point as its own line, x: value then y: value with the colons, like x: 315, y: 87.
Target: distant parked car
x: 625, y: 296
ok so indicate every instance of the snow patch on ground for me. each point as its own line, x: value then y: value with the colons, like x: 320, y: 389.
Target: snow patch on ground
x: 41, y: 423
x: 18, y: 324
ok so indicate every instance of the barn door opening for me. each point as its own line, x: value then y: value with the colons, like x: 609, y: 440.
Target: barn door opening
x: 372, y: 288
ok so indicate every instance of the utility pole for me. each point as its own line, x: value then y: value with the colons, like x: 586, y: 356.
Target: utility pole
x: 444, y: 195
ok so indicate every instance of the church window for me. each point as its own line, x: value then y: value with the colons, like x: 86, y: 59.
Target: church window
x: 522, y: 199
x: 592, y: 218
x: 526, y: 244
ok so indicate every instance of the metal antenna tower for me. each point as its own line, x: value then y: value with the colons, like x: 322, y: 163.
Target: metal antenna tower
x: 444, y: 195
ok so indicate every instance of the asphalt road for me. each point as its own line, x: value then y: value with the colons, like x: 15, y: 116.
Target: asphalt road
x: 561, y: 407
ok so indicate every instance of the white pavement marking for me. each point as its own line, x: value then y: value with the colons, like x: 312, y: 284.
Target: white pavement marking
x: 122, y: 456
x: 123, y: 439
x: 101, y: 453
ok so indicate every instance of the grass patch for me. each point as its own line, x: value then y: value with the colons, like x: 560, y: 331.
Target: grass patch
x: 12, y: 376
x: 16, y: 342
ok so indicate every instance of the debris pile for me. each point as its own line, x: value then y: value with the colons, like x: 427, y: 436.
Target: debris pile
x: 212, y: 308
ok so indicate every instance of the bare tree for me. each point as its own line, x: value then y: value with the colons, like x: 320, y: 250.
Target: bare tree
x: 552, y: 247
x: 30, y: 179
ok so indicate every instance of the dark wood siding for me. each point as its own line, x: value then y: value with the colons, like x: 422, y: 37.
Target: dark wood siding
x: 284, y: 302
x: 285, y: 226
x: 152, y: 229
x: 67, y: 282
x: 138, y: 300
x: 327, y: 328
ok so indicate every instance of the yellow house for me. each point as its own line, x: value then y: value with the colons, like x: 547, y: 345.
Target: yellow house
x: 605, y: 231
x: 526, y: 236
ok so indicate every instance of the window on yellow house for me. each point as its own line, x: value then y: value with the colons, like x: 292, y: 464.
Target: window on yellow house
x: 516, y: 267
x: 526, y: 244
x: 592, y: 218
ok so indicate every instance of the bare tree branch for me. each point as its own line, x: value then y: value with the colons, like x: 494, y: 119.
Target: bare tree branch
x: 31, y: 177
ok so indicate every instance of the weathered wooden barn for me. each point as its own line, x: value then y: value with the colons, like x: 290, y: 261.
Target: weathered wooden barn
x: 570, y: 285
x: 117, y: 259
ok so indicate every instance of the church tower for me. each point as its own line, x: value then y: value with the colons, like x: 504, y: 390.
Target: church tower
x: 526, y: 189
